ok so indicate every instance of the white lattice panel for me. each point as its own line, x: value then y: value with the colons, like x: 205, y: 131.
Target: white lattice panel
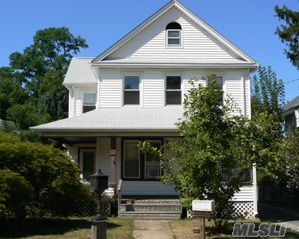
x: 244, y: 209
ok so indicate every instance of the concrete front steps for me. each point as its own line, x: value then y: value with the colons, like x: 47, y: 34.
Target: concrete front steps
x: 150, y: 208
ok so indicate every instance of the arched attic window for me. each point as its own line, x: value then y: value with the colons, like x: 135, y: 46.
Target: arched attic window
x: 173, y: 34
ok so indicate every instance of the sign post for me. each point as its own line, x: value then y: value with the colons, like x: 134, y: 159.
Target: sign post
x: 203, y: 209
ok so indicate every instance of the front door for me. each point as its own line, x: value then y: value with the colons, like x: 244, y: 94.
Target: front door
x: 87, y: 163
x: 137, y: 165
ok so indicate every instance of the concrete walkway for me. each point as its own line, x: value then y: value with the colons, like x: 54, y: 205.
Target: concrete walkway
x: 152, y: 229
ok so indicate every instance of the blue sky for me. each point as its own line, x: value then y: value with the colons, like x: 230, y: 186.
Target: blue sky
x: 249, y: 24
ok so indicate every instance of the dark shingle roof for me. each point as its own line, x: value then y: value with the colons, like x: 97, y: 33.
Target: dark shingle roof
x: 294, y: 103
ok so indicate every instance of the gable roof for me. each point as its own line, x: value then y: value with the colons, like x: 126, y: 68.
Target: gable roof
x: 192, y: 16
x: 80, y: 72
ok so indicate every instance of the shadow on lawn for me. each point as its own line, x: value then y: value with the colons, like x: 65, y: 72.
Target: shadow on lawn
x: 37, y: 226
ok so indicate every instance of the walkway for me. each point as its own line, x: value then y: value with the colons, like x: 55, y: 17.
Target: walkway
x: 152, y: 229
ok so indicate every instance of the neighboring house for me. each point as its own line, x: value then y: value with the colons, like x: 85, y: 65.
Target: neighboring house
x: 291, y: 114
x: 134, y: 91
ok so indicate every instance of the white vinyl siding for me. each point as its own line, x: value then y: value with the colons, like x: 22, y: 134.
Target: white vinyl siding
x: 111, y: 88
x: 153, y: 89
x: 246, y: 194
x: 197, y: 78
x: 233, y: 87
x: 78, y: 102
x: 150, y: 44
x: 247, y: 96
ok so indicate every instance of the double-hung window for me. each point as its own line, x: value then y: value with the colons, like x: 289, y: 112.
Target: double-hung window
x: 174, y: 38
x: 173, y: 90
x: 173, y: 33
x: 219, y: 86
x: 131, y: 90
x: 89, y: 102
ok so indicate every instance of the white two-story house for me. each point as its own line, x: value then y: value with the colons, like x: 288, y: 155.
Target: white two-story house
x: 135, y: 90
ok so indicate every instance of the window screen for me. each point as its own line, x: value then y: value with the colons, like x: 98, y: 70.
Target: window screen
x: 131, y: 90
x: 173, y: 90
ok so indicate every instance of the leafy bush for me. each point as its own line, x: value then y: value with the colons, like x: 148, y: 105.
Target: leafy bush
x: 15, y: 194
x: 54, y: 178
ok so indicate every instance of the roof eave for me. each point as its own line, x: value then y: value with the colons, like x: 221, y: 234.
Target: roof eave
x: 179, y: 65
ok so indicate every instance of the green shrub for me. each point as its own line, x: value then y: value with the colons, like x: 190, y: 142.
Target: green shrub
x: 55, y: 178
x: 15, y: 194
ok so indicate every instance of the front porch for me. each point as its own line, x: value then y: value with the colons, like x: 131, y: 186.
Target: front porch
x: 120, y: 158
x: 134, y: 175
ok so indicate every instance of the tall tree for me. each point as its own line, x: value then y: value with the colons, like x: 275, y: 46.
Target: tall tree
x: 41, y: 68
x: 11, y: 91
x: 216, y: 150
x: 289, y: 32
x: 268, y: 93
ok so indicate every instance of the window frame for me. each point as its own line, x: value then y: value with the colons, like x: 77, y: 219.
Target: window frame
x: 131, y: 90
x: 222, y: 88
x: 179, y: 38
x: 124, y: 160
x: 88, y: 105
x: 173, y: 90
x: 81, y: 158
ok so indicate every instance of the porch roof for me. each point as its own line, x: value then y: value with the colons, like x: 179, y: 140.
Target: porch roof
x: 124, y: 119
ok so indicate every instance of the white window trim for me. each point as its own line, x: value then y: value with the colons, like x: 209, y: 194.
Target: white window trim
x: 123, y: 89
x: 88, y: 93
x: 174, y: 45
x: 181, y: 90
x: 124, y: 159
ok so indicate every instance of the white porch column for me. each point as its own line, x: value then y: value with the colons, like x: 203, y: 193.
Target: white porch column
x: 98, y: 166
x: 255, y: 190
x: 297, y: 117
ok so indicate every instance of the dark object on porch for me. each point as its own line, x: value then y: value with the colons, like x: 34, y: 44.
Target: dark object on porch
x: 98, y: 227
x: 99, y: 182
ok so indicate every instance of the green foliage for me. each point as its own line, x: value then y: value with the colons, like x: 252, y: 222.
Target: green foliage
x: 15, y: 194
x: 268, y: 95
x: 25, y: 115
x: 289, y: 32
x: 11, y: 92
x: 32, y: 86
x: 289, y: 152
x: 52, y: 175
x: 216, y: 149
x: 207, y: 162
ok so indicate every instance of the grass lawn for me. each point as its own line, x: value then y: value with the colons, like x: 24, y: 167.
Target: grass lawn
x: 183, y: 229
x: 74, y: 228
